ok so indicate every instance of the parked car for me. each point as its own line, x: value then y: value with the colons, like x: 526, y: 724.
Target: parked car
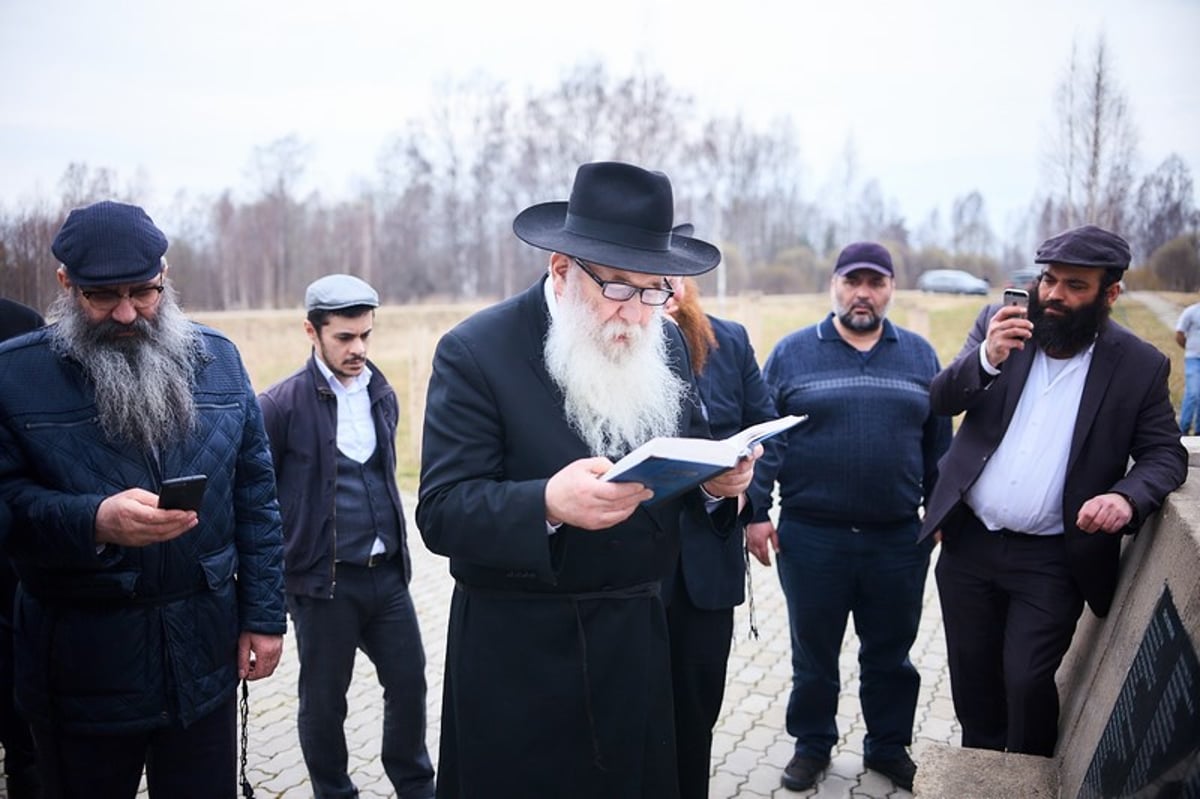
x: 1021, y: 278
x: 951, y: 281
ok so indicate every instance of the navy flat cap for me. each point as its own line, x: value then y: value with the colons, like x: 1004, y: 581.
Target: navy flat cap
x: 1085, y: 246
x: 109, y: 244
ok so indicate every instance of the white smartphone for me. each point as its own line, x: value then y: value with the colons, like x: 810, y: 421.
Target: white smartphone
x: 1018, y: 298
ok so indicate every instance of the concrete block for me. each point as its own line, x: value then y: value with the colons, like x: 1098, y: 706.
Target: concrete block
x: 947, y: 772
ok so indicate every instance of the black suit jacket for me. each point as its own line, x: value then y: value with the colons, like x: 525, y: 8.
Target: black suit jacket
x: 495, y: 431
x: 1125, y: 413
x: 713, y: 559
x: 16, y: 319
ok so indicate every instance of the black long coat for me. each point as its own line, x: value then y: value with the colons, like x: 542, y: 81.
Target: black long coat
x: 557, y: 676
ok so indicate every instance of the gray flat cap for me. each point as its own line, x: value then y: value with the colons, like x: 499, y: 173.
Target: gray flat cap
x: 334, y: 292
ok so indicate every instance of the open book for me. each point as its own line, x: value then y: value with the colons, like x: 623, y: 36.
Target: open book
x: 670, y: 466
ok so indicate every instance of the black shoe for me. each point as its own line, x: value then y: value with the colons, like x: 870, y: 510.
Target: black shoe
x: 899, y: 770
x: 802, y: 772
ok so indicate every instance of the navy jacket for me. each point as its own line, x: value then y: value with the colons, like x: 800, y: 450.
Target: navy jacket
x: 125, y: 639
x: 300, y: 414
x: 1125, y: 413
x: 713, y: 559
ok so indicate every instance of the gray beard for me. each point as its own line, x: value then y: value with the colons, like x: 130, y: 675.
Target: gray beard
x: 142, y: 383
x: 615, y: 398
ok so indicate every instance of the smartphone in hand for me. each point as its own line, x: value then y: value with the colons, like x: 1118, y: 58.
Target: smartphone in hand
x: 183, y: 493
x: 1018, y: 298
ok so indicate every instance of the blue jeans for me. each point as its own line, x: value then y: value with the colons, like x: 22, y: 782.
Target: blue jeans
x: 1189, y: 414
x: 829, y: 572
x: 371, y: 610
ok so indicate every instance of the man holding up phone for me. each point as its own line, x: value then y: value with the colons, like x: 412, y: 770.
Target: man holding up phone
x: 134, y: 622
x: 1036, y: 491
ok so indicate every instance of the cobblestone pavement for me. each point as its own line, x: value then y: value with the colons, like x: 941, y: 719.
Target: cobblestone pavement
x: 750, y: 746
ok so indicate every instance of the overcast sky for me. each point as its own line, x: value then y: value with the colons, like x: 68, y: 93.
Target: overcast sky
x: 940, y: 98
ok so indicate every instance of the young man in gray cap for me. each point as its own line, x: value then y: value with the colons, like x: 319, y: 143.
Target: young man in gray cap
x: 558, y: 674
x: 852, y: 481
x: 134, y: 622
x: 332, y: 427
x: 1036, y: 490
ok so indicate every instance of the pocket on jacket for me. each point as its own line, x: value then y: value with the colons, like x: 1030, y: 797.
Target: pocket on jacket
x: 219, y: 567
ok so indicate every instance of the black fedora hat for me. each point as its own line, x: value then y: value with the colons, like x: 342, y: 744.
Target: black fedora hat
x: 619, y: 215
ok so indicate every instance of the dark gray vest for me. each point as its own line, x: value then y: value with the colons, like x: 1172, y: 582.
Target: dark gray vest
x: 364, y: 509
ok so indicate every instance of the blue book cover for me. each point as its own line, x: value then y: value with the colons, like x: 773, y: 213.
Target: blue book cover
x: 670, y: 466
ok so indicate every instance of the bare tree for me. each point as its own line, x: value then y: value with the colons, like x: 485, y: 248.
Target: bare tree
x: 970, y: 232
x: 1090, y: 161
x: 1165, y: 206
x: 277, y: 169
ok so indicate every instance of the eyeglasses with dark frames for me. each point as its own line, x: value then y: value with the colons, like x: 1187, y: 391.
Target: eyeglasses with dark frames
x: 622, y: 292
x: 106, y: 299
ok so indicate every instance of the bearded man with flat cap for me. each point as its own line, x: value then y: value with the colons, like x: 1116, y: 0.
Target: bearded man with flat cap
x: 134, y: 623
x: 558, y: 674
x: 1036, y: 490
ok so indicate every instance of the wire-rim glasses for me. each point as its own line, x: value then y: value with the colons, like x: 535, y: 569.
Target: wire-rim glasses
x: 623, y: 292
x: 106, y: 299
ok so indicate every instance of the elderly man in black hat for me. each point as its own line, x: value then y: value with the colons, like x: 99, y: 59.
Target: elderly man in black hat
x: 1037, y: 491
x: 332, y: 426
x: 557, y: 666
x: 134, y: 622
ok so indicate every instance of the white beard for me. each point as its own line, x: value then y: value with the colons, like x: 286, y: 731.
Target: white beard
x: 618, y: 393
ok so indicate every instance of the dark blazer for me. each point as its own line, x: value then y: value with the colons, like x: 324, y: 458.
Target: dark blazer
x: 713, y: 560
x: 557, y: 644
x: 1125, y: 413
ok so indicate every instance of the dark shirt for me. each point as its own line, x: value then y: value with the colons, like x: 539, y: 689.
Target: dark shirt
x: 869, y: 450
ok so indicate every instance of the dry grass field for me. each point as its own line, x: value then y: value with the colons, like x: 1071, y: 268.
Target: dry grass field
x: 274, y: 345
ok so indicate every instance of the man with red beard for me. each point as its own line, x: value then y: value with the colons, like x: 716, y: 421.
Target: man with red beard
x: 558, y: 677
x: 1036, y: 490
x: 134, y: 623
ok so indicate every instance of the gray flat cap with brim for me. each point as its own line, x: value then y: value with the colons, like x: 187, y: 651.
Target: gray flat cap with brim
x: 334, y: 292
x: 618, y: 215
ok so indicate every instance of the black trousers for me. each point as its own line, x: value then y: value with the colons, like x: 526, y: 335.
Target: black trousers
x: 1009, y: 607
x: 700, y: 642
x: 20, y: 766
x: 196, y: 762
x: 371, y: 610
